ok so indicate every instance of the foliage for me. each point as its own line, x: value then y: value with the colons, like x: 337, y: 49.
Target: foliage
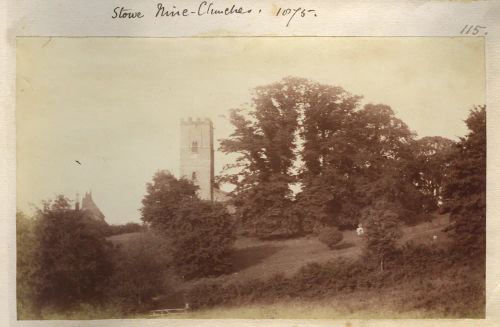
x: 65, y: 266
x: 465, y: 190
x: 343, y: 157
x: 415, y: 269
x: 268, y: 211
x: 201, y: 232
x: 72, y: 260
x: 327, y: 115
x: 382, y: 230
x: 26, y: 265
x: 163, y: 200
x: 141, y: 270
x: 330, y: 236
x: 429, y: 167
x: 125, y: 228
x: 203, y: 242
x: 264, y: 138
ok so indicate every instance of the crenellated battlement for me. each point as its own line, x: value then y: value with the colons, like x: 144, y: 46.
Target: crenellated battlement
x: 196, y: 121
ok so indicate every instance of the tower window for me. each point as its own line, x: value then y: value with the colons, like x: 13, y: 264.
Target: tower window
x: 194, y: 147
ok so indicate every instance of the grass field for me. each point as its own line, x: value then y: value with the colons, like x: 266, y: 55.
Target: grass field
x: 261, y: 259
x: 255, y: 258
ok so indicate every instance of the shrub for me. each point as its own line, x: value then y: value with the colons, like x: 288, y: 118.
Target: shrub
x: 202, y: 232
x: 66, y: 263
x: 382, y: 231
x: 331, y: 236
x: 122, y: 229
x: 140, y: 273
x: 203, y: 239
x: 416, y: 268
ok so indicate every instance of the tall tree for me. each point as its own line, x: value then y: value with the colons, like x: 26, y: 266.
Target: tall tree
x: 366, y: 159
x: 430, y: 167
x: 327, y: 112
x: 265, y: 140
x: 299, y: 131
x: 465, y: 190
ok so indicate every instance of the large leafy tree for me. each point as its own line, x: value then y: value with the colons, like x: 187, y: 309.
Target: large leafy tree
x: 201, y: 232
x: 343, y: 157
x: 265, y: 140
x: 429, y: 167
x: 327, y: 114
x: 72, y: 257
x: 327, y: 154
x: 264, y: 135
x: 366, y: 158
x: 163, y: 200
x: 465, y: 189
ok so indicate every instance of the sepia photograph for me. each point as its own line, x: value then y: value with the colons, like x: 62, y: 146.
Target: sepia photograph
x: 250, y: 178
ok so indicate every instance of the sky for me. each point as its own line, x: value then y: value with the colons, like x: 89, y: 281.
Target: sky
x: 115, y: 104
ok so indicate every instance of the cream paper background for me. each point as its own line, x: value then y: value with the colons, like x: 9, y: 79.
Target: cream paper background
x: 335, y: 18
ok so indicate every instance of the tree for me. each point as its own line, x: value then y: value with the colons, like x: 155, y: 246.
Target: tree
x: 365, y: 158
x: 26, y: 266
x: 430, y: 167
x: 73, y: 259
x: 327, y: 152
x: 382, y: 231
x: 293, y: 116
x: 202, y: 246
x: 465, y: 189
x: 163, y: 200
x: 327, y: 114
x: 265, y: 140
x: 201, y: 232
x: 302, y: 132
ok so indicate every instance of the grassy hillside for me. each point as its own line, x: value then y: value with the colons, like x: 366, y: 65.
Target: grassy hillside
x: 443, y: 294
x: 261, y: 259
x: 255, y: 258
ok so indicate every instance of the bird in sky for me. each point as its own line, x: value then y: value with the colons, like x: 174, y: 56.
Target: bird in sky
x: 78, y: 162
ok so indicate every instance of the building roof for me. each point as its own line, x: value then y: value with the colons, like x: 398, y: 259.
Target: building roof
x: 89, y: 205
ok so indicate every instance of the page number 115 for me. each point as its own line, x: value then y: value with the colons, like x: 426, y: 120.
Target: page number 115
x: 474, y: 30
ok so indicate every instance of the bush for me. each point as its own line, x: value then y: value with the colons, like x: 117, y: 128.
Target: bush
x: 383, y: 230
x: 123, y: 229
x: 203, y: 239
x: 141, y: 271
x: 202, y: 232
x: 416, y: 268
x: 66, y: 262
x: 331, y: 236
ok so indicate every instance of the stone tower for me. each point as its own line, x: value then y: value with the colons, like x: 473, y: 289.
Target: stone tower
x: 197, y: 155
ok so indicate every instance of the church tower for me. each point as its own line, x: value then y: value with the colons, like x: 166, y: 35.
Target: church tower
x: 197, y: 155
